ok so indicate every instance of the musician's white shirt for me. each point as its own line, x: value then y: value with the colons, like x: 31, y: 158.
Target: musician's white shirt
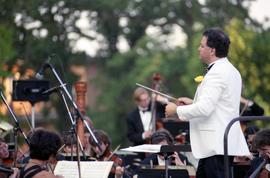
x: 146, y: 119
x: 161, y: 161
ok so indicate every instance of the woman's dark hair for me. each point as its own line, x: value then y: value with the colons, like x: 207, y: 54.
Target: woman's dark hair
x: 251, y: 130
x: 162, y: 135
x: 68, y: 139
x: 44, y: 144
x: 261, y: 139
x: 218, y: 40
x: 101, y: 136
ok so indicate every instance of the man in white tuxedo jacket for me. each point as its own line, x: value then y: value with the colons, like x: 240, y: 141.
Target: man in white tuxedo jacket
x: 215, y: 104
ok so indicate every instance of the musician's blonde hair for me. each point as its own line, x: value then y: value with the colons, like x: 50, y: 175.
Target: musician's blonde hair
x: 138, y: 92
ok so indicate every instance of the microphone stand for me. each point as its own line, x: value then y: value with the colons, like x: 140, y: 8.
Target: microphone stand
x: 73, y: 127
x: 80, y: 115
x: 16, y: 128
x: 73, y: 132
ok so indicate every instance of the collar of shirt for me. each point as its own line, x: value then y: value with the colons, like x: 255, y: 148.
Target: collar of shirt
x: 161, y: 161
x: 144, y: 109
x: 209, y: 67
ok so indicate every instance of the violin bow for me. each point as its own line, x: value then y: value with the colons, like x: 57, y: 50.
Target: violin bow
x: 114, y: 151
x: 61, y: 148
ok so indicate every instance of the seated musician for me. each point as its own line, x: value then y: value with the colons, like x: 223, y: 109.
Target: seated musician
x: 163, y: 137
x: 86, y: 144
x: 249, y: 134
x: 105, y: 153
x: 85, y: 141
x: 261, y: 143
x: 70, y: 144
x: 68, y: 150
x: 43, y: 149
x: 4, y: 171
x: 138, y: 121
x: 3, y: 149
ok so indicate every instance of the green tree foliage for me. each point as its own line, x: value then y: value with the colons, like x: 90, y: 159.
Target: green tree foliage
x: 249, y: 53
x: 178, y: 66
x: 38, y: 29
x: 6, y: 44
x: 138, y: 66
x: 220, y: 13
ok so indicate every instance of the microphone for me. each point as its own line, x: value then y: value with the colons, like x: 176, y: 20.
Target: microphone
x: 39, y: 74
x: 53, y: 89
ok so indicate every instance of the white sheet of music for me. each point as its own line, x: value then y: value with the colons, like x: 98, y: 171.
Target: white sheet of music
x: 148, y: 148
x: 89, y: 169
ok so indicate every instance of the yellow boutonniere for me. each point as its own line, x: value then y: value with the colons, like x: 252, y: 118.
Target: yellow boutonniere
x: 198, y: 79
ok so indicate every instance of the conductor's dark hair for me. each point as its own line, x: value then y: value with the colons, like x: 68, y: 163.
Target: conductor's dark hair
x: 162, y: 135
x: 218, y: 40
x: 261, y: 139
x: 44, y: 144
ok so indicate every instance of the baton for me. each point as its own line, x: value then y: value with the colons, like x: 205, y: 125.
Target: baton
x: 157, y: 92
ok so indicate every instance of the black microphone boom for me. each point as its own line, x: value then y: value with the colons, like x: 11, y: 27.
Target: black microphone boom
x: 75, y: 106
x: 45, y: 65
x: 53, y: 89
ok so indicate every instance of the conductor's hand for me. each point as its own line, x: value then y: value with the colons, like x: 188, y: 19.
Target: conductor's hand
x: 184, y: 101
x: 170, y: 109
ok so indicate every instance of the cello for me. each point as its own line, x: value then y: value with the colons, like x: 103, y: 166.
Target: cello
x: 156, y: 123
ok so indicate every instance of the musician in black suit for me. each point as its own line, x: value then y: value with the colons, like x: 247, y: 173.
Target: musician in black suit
x: 139, y: 127
x: 261, y: 143
x: 163, y: 137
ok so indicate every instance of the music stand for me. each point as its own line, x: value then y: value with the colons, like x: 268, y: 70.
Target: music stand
x: 168, y: 150
x: 159, y: 173
x: 32, y: 91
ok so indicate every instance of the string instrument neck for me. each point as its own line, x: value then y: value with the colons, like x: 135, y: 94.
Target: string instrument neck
x: 155, y: 86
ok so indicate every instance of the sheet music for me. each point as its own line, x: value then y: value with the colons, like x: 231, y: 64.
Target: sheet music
x: 148, y: 148
x: 89, y: 169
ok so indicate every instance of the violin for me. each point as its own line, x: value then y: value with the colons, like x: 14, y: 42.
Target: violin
x: 117, y: 167
x: 110, y: 156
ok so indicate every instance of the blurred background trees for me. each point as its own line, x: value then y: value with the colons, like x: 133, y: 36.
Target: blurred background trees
x: 128, y: 41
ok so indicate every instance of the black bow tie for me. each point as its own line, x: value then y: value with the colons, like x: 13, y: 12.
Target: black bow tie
x: 208, y: 68
x: 145, y: 109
